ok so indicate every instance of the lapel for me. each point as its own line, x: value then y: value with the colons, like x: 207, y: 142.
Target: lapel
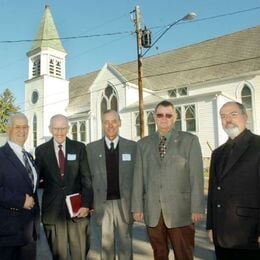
x: 171, y: 145
x: 239, y: 150
x: 155, y: 140
x: 11, y: 156
x: 52, y: 160
x: 101, y: 160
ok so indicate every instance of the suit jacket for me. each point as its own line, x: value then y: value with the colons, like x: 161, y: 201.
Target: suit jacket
x: 234, y: 195
x: 76, y: 179
x: 18, y: 226
x: 97, y: 166
x: 174, y: 185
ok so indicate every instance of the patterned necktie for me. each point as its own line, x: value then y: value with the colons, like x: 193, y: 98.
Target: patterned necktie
x: 162, y: 146
x: 61, y: 161
x: 28, y: 167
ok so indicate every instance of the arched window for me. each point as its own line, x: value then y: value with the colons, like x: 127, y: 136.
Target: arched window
x: 74, y: 131
x: 177, y: 124
x: 34, y: 131
x: 150, y: 123
x: 246, y: 97
x: 82, y: 130
x: 190, y: 118
x: 109, y: 100
x: 137, y: 124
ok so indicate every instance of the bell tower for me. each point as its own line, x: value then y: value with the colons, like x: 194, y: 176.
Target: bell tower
x: 46, y: 89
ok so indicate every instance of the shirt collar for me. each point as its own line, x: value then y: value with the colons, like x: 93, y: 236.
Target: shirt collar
x: 167, y: 136
x: 15, y: 147
x: 115, y: 141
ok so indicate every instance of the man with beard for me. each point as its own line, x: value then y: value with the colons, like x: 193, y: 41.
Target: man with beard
x: 233, y: 215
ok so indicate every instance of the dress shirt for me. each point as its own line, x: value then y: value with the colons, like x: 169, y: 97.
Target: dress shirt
x: 115, y: 141
x: 17, y: 149
x: 56, y: 148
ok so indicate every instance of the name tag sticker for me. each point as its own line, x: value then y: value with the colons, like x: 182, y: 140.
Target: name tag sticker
x: 71, y: 157
x: 126, y: 157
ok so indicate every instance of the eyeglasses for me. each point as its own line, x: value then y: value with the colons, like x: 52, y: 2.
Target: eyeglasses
x: 168, y: 116
x: 230, y: 115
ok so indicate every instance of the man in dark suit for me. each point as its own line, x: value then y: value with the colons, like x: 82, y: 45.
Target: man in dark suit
x: 19, y: 209
x: 111, y: 162
x: 62, y: 165
x: 168, y: 186
x: 233, y: 215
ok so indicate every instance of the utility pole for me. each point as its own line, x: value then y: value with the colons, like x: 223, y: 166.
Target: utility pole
x: 140, y: 68
x: 143, y: 39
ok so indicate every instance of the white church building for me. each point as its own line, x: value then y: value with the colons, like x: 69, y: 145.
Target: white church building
x: 198, y: 79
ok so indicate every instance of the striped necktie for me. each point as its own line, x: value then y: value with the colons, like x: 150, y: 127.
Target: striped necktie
x: 28, y: 167
x: 61, y: 161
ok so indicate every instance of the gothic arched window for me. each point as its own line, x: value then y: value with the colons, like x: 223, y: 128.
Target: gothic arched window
x: 82, y: 131
x: 34, y: 131
x: 150, y: 123
x: 246, y: 98
x: 190, y: 118
x: 74, y: 131
x: 109, y: 100
x: 177, y: 124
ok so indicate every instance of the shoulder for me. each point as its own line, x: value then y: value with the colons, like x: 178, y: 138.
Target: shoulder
x: 74, y: 142
x: 44, y: 146
x: 94, y: 144
x: 148, y: 140
x: 186, y: 135
x: 127, y: 141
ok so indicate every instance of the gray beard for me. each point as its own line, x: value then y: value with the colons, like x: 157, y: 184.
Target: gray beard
x: 232, y: 132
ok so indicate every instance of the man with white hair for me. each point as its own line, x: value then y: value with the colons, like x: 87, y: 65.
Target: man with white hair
x: 233, y: 215
x: 19, y: 209
x: 62, y: 165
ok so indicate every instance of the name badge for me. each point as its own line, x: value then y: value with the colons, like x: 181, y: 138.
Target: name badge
x: 71, y: 157
x: 126, y: 157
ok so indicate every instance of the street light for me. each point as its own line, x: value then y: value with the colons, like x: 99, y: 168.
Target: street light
x: 139, y: 32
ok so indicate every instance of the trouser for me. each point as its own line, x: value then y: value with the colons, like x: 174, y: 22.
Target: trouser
x: 114, y: 234
x: 68, y: 236
x: 25, y: 252
x: 181, y: 239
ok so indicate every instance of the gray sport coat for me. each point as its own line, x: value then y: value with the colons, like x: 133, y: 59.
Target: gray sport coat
x: 174, y: 185
x: 97, y: 167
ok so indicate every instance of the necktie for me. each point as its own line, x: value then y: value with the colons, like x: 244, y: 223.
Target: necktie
x: 112, y: 148
x: 61, y: 161
x: 162, y: 146
x: 28, y: 167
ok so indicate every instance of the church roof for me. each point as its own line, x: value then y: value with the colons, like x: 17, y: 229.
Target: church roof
x: 47, y: 35
x: 221, y: 58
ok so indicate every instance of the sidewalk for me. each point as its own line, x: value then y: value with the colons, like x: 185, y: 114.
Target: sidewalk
x: 142, y: 248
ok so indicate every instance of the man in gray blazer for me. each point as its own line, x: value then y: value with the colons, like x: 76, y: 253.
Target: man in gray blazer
x: 111, y: 163
x: 168, y: 186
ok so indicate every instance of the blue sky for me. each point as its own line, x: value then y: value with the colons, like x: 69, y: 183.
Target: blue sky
x: 20, y: 20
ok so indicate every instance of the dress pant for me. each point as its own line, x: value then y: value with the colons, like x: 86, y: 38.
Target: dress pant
x: 114, y: 234
x: 236, y: 254
x: 25, y: 252
x: 68, y: 237
x: 181, y: 239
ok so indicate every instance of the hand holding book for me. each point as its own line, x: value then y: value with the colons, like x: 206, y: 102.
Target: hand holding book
x: 74, y: 205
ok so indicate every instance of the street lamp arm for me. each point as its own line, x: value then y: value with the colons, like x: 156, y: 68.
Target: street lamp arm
x: 189, y: 16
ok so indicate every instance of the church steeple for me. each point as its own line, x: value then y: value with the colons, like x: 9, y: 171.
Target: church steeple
x: 46, y: 89
x: 47, y: 35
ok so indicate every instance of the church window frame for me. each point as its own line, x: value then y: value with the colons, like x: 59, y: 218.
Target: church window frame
x: 34, y: 132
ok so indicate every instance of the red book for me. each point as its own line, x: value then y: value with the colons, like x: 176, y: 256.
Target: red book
x: 73, y: 202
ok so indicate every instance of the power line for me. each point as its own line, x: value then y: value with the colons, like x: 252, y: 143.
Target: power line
x: 127, y: 32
